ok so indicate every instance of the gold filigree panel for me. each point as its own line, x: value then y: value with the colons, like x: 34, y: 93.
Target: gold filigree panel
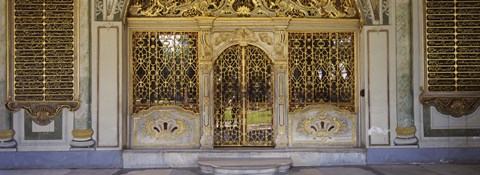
x: 243, y: 113
x: 452, y: 56
x: 321, y: 69
x: 42, y: 64
x: 245, y: 8
x: 164, y: 69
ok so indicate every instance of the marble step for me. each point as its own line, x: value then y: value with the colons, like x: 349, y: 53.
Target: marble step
x: 254, y: 166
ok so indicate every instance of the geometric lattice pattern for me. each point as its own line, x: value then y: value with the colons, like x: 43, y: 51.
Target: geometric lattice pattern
x: 164, y: 69
x: 243, y: 97
x: 321, y: 69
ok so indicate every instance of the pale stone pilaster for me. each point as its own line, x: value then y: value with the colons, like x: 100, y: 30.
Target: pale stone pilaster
x: 405, y: 126
x: 205, y: 79
x: 281, y: 80
x: 6, y: 130
x: 82, y: 127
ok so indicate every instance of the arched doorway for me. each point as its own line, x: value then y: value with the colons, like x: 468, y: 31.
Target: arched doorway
x: 243, y: 97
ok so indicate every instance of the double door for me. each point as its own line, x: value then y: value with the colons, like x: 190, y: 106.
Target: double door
x: 243, y: 97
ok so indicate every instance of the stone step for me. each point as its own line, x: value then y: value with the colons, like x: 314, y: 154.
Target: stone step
x: 254, y: 166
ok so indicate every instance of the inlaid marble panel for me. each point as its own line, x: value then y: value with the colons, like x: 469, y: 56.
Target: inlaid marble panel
x: 322, y: 125
x: 166, y: 127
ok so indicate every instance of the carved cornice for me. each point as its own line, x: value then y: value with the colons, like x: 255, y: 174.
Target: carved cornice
x: 454, y: 106
x: 245, y: 8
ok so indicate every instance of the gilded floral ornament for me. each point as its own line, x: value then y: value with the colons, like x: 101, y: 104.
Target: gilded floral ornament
x: 244, y: 36
x: 165, y: 127
x: 244, y: 8
x: 323, y: 126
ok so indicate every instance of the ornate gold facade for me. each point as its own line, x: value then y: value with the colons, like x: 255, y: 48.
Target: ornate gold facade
x: 245, y: 8
x: 241, y: 75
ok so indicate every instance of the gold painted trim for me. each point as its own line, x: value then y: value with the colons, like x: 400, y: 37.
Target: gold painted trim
x: 7, y: 134
x: 407, y: 131
x: 82, y: 133
x: 388, y: 86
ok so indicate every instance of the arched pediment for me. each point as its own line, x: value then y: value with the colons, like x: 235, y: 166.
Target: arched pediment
x: 245, y: 8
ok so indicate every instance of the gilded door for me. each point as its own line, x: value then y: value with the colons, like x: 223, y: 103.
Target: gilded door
x: 243, y: 96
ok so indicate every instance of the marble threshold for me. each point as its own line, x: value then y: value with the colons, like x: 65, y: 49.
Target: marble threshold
x: 189, y: 157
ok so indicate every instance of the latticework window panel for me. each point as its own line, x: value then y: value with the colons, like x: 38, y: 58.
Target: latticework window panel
x: 321, y: 69
x: 164, y: 69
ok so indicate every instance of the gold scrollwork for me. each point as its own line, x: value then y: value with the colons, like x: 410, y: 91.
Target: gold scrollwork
x: 244, y: 36
x: 454, y: 106
x: 245, y: 8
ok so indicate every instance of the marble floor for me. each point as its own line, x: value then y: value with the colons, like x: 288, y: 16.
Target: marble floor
x: 441, y: 169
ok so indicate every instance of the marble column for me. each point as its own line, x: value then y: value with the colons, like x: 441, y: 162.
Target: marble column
x: 6, y: 130
x: 405, y: 126
x: 82, y: 127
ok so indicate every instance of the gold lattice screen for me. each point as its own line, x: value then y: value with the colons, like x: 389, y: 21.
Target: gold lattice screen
x: 243, y: 97
x: 321, y: 69
x: 164, y: 69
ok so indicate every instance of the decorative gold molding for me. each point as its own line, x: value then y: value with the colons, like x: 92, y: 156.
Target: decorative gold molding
x: 82, y: 133
x: 407, y: 131
x: 245, y: 8
x: 244, y: 36
x: 454, y: 106
x: 6, y: 134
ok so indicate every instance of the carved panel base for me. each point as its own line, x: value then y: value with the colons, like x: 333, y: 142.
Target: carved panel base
x: 454, y: 106
x: 168, y: 126
x: 322, y: 125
